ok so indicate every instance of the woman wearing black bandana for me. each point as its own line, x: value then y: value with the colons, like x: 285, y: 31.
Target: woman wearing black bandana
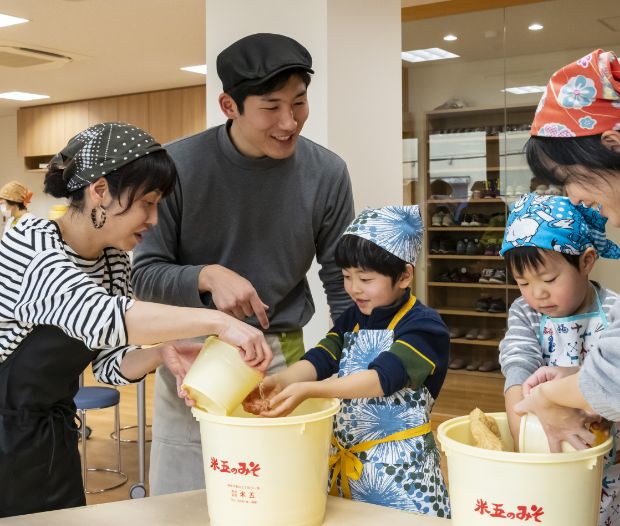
x: 66, y: 301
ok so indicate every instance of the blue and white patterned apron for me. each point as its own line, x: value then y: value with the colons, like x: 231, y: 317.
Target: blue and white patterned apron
x: 566, y: 342
x: 401, y: 473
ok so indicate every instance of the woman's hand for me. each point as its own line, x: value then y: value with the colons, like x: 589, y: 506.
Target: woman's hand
x: 254, y: 348
x: 258, y: 400
x: 178, y: 356
x: 288, y: 399
x: 547, y: 374
x: 559, y: 422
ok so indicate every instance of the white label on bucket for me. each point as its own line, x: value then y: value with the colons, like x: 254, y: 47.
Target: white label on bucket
x: 243, y: 493
x: 495, y: 510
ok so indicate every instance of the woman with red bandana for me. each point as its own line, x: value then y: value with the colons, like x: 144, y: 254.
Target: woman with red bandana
x: 576, y: 143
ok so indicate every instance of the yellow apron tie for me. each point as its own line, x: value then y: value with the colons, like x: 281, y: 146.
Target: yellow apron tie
x: 347, y: 465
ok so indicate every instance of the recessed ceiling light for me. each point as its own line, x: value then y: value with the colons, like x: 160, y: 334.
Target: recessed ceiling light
x: 523, y: 90
x: 196, y: 69
x: 450, y: 38
x: 20, y: 95
x: 424, y: 55
x: 8, y: 20
x: 535, y: 27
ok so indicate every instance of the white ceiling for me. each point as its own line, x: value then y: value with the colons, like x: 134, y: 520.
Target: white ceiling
x: 118, y: 46
x: 129, y: 46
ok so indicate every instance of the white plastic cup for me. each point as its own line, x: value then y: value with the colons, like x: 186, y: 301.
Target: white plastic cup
x: 219, y: 379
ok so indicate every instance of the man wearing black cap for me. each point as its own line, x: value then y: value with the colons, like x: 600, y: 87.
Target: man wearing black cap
x: 254, y: 204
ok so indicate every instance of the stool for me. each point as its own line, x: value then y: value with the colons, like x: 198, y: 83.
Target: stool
x: 88, y: 398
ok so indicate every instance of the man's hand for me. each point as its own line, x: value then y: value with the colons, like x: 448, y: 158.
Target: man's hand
x: 254, y: 348
x: 547, y: 374
x: 232, y: 293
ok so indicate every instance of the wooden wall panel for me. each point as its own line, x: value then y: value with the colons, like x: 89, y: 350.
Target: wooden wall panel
x: 102, y: 110
x: 134, y: 109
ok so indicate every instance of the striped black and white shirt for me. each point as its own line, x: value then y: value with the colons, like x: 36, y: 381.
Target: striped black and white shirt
x: 44, y: 282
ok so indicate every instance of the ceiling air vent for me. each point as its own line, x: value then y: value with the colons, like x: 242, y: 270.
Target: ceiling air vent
x: 23, y: 57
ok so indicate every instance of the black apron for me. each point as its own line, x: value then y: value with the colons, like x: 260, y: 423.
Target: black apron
x: 39, y: 458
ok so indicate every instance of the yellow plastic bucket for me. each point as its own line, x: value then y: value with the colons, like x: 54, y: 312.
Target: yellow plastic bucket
x: 219, y: 379
x: 491, y: 488
x: 267, y: 471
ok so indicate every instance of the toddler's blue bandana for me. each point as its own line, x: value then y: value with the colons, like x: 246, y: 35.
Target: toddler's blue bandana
x: 397, y: 229
x: 552, y: 222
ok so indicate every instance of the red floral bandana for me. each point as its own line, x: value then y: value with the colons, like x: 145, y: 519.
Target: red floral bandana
x: 582, y: 98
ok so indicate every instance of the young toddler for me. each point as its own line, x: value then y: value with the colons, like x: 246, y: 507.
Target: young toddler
x: 551, y: 246
x: 390, y: 353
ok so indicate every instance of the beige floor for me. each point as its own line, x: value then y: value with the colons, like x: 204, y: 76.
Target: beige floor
x: 100, y: 447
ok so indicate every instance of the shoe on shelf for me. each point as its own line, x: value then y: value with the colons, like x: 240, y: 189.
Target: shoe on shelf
x: 457, y: 363
x: 437, y: 218
x: 444, y: 277
x: 472, y: 334
x: 497, y: 305
x: 473, y: 366
x: 498, y: 277
x: 447, y: 220
x: 488, y: 365
x: 497, y: 220
x: 466, y: 221
x: 462, y: 276
x: 434, y: 248
x: 471, y: 249
x: 482, y: 305
x: 496, y: 249
x: 461, y: 247
x: 490, y: 248
x: 484, y: 334
x: 486, y: 274
x: 446, y: 246
x: 456, y: 332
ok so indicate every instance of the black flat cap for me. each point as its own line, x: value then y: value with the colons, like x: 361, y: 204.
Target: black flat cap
x: 256, y: 58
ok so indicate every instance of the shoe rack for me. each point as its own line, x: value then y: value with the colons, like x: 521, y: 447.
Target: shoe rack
x: 474, y: 168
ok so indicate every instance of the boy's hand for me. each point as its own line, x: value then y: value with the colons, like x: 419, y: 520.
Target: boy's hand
x: 257, y: 402
x: 547, y: 374
x: 285, y: 402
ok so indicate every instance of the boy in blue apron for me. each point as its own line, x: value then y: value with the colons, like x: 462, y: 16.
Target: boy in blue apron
x: 390, y: 353
x: 551, y: 246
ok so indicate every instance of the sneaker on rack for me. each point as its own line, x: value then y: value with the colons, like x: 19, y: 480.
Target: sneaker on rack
x: 447, y: 220
x: 482, y: 305
x: 472, y: 334
x: 461, y: 247
x: 437, y: 217
x: 490, y: 248
x: 434, y: 247
x: 471, y: 249
x: 484, y: 334
x: 497, y: 220
x: 486, y: 275
x: 466, y: 221
x: 497, y: 305
x: 498, y: 277
x: 446, y: 246
x: 456, y: 332
x: 475, y: 220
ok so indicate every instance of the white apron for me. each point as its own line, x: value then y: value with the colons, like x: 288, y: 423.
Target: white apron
x: 566, y: 342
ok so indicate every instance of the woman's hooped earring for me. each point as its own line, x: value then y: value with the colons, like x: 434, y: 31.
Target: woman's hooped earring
x: 93, y: 217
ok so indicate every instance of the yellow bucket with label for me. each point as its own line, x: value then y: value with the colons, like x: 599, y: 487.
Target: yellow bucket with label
x: 501, y: 487
x: 267, y: 471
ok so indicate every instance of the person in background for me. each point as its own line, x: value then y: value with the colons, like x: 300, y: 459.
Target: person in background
x: 66, y: 302
x: 551, y: 246
x: 14, y: 201
x: 254, y: 204
x: 576, y: 143
x: 390, y: 353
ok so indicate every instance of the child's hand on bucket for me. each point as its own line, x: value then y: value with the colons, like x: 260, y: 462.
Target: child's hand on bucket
x: 286, y: 401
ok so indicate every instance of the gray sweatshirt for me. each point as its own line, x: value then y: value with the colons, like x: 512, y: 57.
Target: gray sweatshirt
x: 263, y: 218
x: 520, y: 352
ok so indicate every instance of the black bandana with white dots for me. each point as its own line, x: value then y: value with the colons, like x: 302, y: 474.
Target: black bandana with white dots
x: 101, y: 149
